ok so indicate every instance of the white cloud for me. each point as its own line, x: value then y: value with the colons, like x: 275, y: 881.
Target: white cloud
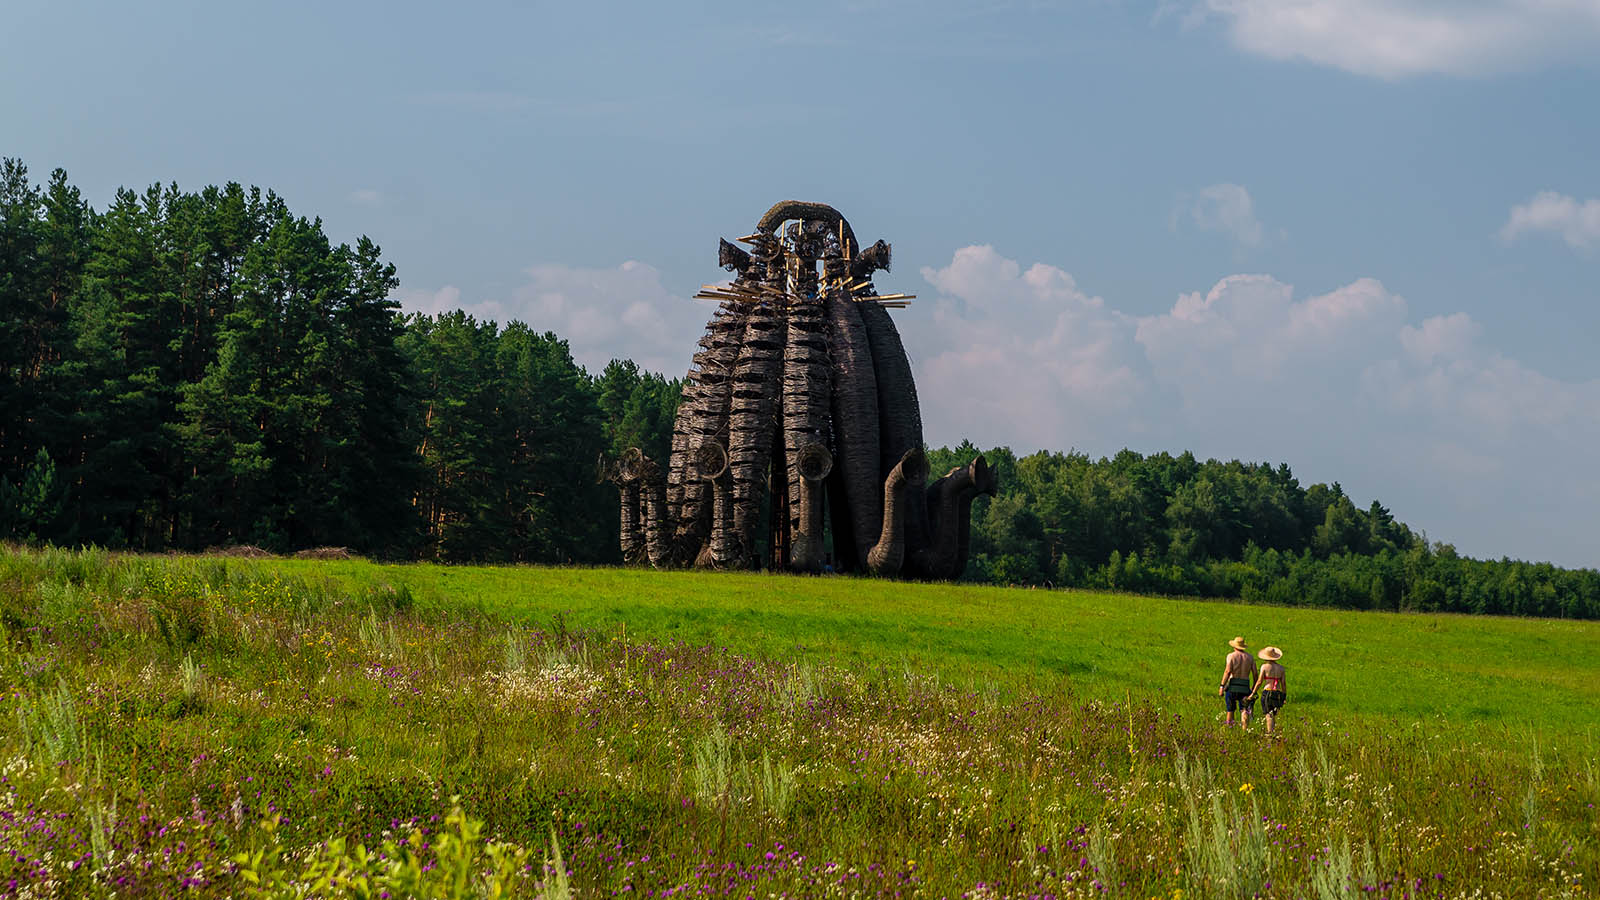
x: 1577, y: 223
x: 1398, y: 38
x: 1227, y: 209
x: 1026, y: 353
x: 603, y: 314
x: 367, y: 197
x: 1247, y: 337
x: 1441, y: 337
x: 1476, y: 448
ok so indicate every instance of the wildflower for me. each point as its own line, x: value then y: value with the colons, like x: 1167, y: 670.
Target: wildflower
x: 1246, y: 788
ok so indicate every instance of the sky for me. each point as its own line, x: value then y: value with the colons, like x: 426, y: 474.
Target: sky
x: 1359, y: 237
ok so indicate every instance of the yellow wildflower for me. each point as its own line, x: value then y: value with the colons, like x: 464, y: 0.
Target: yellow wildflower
x: 1246, y: 788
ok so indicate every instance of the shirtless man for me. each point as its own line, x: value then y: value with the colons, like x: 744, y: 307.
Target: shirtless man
x: 1238, y: 677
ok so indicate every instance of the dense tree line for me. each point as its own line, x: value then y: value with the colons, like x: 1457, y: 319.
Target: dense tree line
x: 188, y: 370
x: 193, y: 370
x: 1176, y: 525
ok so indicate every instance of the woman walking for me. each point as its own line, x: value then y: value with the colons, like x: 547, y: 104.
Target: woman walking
x: 1270, y: 685
x: 1238, y: 674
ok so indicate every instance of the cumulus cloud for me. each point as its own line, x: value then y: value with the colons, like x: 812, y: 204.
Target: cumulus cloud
x: 1473, y: 446
x: 1398, y: 38
x: 1023, y: 352
x: 1577, y: 223
x: 604, y: 314
x: 1227, y: 209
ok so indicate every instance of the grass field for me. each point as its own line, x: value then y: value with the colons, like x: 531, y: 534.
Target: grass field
x: 1517, y: 674
x: 230, y: 727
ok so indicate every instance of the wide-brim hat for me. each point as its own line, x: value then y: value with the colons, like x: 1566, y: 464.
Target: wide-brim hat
x: 1238, y: 644
x: 1270, y: 653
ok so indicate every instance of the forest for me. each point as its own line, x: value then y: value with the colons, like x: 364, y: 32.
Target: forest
x: 194, y: 370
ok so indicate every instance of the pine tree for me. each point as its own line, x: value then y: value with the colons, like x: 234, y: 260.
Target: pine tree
x: 19, y: 314
x: 123, y: 376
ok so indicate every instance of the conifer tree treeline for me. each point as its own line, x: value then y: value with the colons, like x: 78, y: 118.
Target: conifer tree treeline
x: 192, y: 370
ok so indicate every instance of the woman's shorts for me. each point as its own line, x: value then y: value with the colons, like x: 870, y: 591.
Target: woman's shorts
x: 1271, y: 701
x: 1233, y: 700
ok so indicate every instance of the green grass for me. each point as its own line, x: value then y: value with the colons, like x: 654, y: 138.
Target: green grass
x: 223, y: 727
x: 1443, y: 671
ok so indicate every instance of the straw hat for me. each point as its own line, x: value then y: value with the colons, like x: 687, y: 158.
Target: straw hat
x: 1238, y: 644
x: 1270, y: 653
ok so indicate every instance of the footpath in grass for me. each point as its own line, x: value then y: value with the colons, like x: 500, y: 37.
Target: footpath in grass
x: 205, y: 727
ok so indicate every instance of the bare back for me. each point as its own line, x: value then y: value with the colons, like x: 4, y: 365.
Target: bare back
x: 1239, y: 665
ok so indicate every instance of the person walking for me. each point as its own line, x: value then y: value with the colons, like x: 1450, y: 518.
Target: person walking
x: 1270, y: 685
x: 1238, y: 675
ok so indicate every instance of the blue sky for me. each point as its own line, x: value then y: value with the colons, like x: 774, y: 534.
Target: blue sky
x: 1360, y: 237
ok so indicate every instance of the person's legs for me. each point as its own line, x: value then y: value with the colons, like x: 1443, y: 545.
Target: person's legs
x: 1271, y: 702
x: 1232, y: 701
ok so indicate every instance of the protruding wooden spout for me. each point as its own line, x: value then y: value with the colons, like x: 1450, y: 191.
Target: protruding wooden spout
x: 813, y: 462
x: 985, y: 480
x: 949, y: 505
x: 711, y: 464
x: 732, y: 258
x: 644, y: 502
x: 910, y: 473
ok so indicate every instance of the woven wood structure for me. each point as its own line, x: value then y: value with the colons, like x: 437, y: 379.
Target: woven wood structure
x: 799, y: 404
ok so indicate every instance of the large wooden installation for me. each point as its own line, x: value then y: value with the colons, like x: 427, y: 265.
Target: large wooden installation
x: 799, y: 401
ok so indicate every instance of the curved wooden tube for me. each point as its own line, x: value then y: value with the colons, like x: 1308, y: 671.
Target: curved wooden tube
x: 812, y: 463
x: 855, y: 401
x: 702, y: 416
x: 800, y: 209
x: 753, y: 408
x: 711, y: 465
x: 899, y: 413
x: 985, y: 480
x: 909, y: 474
x: 949, y: 504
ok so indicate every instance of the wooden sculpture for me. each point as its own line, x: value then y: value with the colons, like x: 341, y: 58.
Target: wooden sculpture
x: 799, y: 401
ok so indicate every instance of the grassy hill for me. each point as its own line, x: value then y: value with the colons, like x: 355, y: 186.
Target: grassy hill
x: 228, y: 727
x: 1444, y: 670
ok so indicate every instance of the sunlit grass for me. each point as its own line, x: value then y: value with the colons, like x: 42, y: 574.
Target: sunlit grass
x: 754, y: 735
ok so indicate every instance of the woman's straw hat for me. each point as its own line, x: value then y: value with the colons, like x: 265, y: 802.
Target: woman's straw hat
x: 1238, y: 644
x: 1270, y: 653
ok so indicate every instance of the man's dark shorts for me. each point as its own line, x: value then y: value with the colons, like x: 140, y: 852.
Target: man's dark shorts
x: 1271, y: 702
x: 1236, y: 700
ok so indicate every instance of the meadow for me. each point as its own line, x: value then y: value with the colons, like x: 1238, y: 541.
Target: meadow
x: 194, y: 726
